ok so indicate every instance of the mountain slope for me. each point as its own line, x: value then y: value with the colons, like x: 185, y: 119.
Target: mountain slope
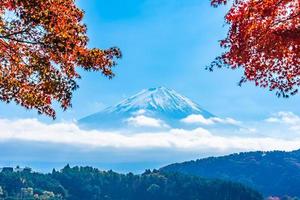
x: 157, y: 104
x: 161, y: 100
x: 272, y: 173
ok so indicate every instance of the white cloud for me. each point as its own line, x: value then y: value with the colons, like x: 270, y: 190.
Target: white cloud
x: 285, y: 117
x: 272, y: 120
x: 226, y: 121
x: 144, y: 121
x: 197, y: 140
x: 289, y: 119
x: 196, y: 119
x: 199, y: 119
x: 140, y: 112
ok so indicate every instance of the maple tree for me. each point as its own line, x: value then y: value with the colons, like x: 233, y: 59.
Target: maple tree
x: 264, y: 40
x: 42, y: 42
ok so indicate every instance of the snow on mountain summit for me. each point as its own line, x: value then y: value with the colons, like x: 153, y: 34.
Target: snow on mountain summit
x: 161, y: 104
x: 160, y: 99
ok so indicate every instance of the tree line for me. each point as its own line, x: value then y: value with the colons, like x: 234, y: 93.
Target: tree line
x: 87, y: 183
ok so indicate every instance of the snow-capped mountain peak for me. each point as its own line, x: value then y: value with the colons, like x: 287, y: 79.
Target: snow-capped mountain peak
x: 160, y: 99
x: 155, y: 105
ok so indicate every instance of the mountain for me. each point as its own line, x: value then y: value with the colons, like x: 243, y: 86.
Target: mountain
x: 87, y: 183
x: 153, y: 108
x: 271, y: 173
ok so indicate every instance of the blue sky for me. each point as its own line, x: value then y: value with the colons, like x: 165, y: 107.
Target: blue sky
x: 164, y: 43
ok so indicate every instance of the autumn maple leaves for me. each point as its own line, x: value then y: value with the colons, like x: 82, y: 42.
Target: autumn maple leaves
x: 41, y: 44
x: 264, y: 39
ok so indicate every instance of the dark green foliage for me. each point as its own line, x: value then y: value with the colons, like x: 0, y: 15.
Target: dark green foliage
x: 12, y: 184
x: 86, y: 183
x: 272, y: 173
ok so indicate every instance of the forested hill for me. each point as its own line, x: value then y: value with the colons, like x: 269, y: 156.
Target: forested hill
x: 272, y: 173
x: 86, y: 183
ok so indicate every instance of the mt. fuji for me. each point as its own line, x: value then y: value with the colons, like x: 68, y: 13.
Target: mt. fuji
x: 155, y: 108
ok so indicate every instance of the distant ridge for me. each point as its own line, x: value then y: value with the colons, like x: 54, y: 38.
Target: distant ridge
x: 274, y: 173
